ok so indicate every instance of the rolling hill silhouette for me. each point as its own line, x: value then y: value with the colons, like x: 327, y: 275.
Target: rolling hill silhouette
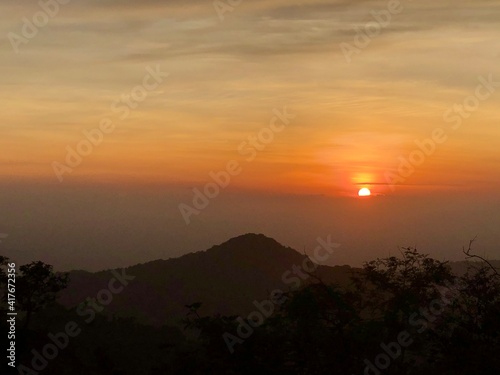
x: 226, y: 279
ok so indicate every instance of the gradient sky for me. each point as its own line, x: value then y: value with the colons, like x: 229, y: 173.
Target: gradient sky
x: 353, y: 120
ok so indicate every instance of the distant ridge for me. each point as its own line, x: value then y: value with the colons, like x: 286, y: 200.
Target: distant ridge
x: 226, y: 279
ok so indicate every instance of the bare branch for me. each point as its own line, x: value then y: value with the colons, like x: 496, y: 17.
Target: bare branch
x: 470, y: 255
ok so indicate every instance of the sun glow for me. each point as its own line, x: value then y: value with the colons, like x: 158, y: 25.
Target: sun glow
x: 364, y: 192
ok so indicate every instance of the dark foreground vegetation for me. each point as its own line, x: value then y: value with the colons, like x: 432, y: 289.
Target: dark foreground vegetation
x: 400, y: 315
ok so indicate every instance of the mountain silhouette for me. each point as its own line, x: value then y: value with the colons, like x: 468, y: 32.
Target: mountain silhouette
x: 226, y: 279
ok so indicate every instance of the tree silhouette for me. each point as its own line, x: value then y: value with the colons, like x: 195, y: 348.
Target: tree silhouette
x: 318, y: 329
x: 37, y: 287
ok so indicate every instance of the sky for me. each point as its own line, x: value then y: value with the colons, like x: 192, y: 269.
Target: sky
x: 306, y: 101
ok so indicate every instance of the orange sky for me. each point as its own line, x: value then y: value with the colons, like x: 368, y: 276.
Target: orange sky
x: 353, y: 120
x: 170, y: 92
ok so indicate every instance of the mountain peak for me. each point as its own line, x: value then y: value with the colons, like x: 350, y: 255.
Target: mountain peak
x: 257, y: 238
x: 226, y: 278
x: 252, y: 243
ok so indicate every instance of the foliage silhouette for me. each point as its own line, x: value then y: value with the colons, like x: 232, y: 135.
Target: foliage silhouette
x: 319, y: 328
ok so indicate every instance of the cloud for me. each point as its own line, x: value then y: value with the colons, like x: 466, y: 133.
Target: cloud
x: 227, y: 76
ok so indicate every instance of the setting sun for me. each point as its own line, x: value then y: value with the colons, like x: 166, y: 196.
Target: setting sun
x: 364, y: 192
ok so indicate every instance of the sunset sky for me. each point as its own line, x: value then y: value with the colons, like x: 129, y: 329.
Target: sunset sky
x: 353, y: 121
